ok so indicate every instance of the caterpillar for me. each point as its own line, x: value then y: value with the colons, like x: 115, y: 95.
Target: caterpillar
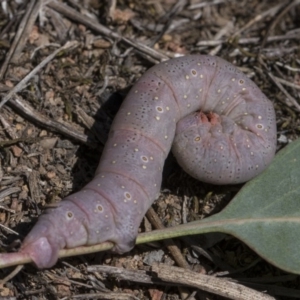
x: 220, y: 126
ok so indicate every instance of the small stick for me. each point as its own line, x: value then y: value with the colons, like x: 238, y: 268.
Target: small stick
x: 284, y: 91
x: 270, y: 12
x: 11, y: 275
x: 166, y: 275
x: 91, y: 23
x: 111, y: 9
x: 253, y: 40
x: 224, y: 30
x: 168, y: 18
x: 204, y: 4
x: 287, y: 83
x: 172, y: 247
x: 277, y: 20
x: 156, y: 222
x: 91, y: 125
x: 27, y: 30
x: 280, y: 64
x: 19, y: 258
x: 219, y: 286
x: 8, y: 191
x: 7, y: 127
x: 25, y: 80
x: 279, y: 85
x: 25, y: 109
x: 8, y: 229
x: 16, y: 39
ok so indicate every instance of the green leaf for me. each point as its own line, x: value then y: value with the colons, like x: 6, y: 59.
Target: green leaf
x: 265, y: 214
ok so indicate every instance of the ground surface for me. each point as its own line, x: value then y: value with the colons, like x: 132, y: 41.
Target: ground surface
x: 82, y: 88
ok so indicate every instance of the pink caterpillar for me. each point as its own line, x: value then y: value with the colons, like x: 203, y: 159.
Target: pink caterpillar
x: 223, y: 131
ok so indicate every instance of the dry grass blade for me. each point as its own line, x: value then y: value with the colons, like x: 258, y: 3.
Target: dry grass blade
x: 287, y: 83
x: 11, y: 275
x: 292, y: 100
x: 270, y: 12
x: 277, y: 20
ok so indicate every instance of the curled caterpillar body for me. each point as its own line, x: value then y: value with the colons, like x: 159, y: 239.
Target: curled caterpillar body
x: 221, y: 128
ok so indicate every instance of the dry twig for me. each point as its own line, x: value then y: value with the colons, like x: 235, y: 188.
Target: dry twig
x: 76, y: 16
x: 25, y: 109
x: 277, y: 20
x: 27, y: 30
x: 270, y: 12
x: 177, y: 255
x: 166, y: 275
x: 17, y: 38
x: 21, y: 85
x: 219, y: 286
x: 285, y: 92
